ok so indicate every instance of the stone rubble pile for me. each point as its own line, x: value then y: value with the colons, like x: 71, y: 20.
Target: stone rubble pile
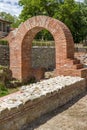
x: 36, y: 90
x: 82, y: 56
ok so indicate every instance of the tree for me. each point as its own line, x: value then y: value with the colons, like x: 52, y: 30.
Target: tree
x: 74, y: 15
x: 38, y: 7
x: 84, y: 18
x: 70, y: 12
x: 70, y: 15
x: 7, y: 16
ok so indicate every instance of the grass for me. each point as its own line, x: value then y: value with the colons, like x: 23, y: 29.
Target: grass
x: 9, y: 90
x: 43, y: 43
x: 85, y: 47
x: 35, y: 43
x: 3, y: 67
x: 3, y: 42
x: 5, y: 91
x: 13, y: 90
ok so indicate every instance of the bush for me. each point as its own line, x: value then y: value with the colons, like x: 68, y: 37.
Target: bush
x: 3, y: 67
x: 3, y: 42
x: 3, y: 90
x: 43, y: 43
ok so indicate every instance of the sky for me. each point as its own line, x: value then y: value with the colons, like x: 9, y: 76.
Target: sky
x: 12, y: 7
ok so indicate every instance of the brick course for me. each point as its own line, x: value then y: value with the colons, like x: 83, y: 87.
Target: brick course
x: 20, y: 47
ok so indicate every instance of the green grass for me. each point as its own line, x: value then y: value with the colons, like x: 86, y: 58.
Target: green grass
x: 43, y: 43
x: 85, y: 47
x: 35, y: 43
x: 3, y: 67
x: 3, y: 90
x: 3, y: 42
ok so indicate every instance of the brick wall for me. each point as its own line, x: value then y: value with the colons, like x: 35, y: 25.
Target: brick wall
x: 41, y: 56
x: 20, y: 44
x: 20, y: 41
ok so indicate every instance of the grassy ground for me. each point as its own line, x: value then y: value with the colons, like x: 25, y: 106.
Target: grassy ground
x: 43, y: 43
x: 5, y: 91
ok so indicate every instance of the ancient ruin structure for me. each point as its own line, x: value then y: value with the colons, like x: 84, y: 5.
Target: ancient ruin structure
x: 4, y: 28
x: 20, y: 42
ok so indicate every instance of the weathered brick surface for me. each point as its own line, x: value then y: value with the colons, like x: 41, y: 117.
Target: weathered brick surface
x: 20, y: 46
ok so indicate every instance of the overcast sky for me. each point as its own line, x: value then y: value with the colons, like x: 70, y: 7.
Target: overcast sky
x: 12, y: 7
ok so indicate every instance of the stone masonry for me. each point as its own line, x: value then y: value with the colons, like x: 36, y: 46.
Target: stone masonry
x: 4, y: 55
x: 41, y: 57
x: 32, y: 101
x: 20, y: 42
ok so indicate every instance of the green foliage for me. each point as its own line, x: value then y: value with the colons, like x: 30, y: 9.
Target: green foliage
x: 13, y: 19
x: 83, y: 10
x: 2, y: 67
x: 70, y: 15
x: 3, y: 42
x: 38, y: 7
x: 44, y: 35
x: 43, y: 43
x: 3, y: 90
x: 73, y: 14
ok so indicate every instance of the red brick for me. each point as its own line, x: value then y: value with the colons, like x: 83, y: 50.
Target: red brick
x: 20, y: 44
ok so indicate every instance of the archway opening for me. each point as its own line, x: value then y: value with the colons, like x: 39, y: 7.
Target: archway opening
x: 38, y: 53
x: 43, y: 52
x: 23, y: 37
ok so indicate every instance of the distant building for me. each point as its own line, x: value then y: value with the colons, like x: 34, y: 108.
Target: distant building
x: 4, y: 28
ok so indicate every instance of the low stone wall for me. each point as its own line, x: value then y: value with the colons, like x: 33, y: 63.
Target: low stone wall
x: 41, y: 56
x: 19, y: 109
x: 4, y: 55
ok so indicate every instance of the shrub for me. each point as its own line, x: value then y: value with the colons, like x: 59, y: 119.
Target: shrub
x: 43, y: 43
x: 3, y: 90
x: 3, y: 67
x: 3, y: 42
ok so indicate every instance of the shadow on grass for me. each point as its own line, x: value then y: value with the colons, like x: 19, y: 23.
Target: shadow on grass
x: 44, y: 118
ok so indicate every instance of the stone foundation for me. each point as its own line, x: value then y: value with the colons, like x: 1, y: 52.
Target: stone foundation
x: 41, y: 57
x: 4, y: 55
x: 32, y: 101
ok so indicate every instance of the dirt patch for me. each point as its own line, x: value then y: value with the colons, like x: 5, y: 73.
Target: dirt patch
x: 72, y: 116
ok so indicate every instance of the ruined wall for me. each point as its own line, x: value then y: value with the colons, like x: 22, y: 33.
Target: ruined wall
x: 19, y: 109
x: 41, y: 56
x: 4, y: 55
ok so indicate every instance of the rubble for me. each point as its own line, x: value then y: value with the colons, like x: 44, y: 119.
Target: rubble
x: 36, y: 90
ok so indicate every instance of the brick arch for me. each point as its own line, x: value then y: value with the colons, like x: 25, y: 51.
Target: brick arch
x: 20, y: 46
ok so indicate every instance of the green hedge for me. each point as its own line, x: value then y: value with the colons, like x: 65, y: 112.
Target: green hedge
x: 43, y: 43
x: 35, y: 43
x: 3, y: 42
